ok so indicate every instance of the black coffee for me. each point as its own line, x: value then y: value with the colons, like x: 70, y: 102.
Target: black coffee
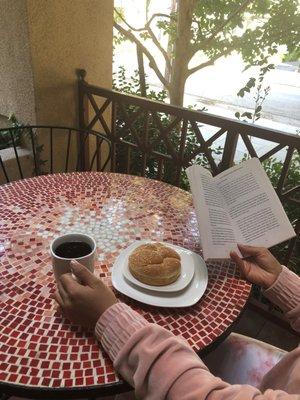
x: 73, y: 249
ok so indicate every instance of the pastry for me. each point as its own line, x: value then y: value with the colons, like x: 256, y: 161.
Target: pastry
x: 155, y: 264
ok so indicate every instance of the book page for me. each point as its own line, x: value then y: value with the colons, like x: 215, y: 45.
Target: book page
x: 214, y: 222
x: 257, y: 215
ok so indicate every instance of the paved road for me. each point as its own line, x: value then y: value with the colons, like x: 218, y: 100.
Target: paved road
x: 281, y: 106
x: 216, y: 88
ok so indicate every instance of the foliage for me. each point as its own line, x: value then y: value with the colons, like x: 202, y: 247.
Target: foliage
x: 6, y: 139
x: 118, y: 17
x: 261, y: 92
x: 293, y: 55
x: 254, y: 29
x: 22, y: 136
x: 131, y: 85
x: 273, y: 168
x: 214, y: 30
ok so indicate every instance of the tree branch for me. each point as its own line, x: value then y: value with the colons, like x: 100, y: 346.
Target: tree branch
x: 209, y: 62
x: 127, y: 24
x: 200, y: 66
x: 152, y: 63
x: 160, y: 15
x: 142, y: 77
x: 148, y: 22
x: 148, y: 29
x: 162, y: 50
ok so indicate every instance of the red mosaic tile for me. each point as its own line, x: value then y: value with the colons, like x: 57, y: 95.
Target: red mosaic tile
x: 38, y: 347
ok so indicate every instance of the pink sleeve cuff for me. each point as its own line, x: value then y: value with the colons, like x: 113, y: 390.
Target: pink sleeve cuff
x: 116, y: 326
x: 285, y: 291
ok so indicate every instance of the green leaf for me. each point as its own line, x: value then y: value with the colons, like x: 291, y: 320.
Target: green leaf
x: 247, y: 67
x: 247, y: 115
x: 251, y: 83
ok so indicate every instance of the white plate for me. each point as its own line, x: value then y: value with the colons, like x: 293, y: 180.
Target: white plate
x: 187, y: 268
x: 184, y: 298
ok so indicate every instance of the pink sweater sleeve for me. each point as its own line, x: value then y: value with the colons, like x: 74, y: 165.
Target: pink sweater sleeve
x: 285, y: 293
x: 161, y: 366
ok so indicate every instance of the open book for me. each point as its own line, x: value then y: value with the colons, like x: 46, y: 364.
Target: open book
x: 239, y: 205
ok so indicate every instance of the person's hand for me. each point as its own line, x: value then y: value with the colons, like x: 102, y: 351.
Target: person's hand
x: 259, y: 266
x: 83, y: 303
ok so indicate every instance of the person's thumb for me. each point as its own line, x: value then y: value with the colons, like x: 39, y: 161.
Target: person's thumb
x: 247, y: 251
x: 240, y: 263
x: 82, y: 273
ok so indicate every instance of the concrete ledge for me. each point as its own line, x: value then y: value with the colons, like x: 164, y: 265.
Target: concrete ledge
x: 11, y: 165
x: 9, y: 154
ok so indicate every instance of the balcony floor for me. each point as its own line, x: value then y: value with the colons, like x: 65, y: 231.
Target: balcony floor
x: 255, y: 325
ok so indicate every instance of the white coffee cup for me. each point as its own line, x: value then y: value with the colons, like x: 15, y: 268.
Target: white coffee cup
x: 61, y: 265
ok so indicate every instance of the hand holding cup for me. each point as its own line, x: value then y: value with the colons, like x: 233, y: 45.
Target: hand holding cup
x: 83, y: 300
x: 72, y: 246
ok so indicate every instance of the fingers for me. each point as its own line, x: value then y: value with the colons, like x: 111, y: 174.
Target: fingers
x: 82, y: 273
x: 62, y: 291
x: 249, y: 250
x: 239, y: 261
x: 58, y: 298
x: 67, y: 286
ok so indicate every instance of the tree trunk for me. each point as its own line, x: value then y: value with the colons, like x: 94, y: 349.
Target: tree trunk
x: 170, y: 46
x: 182, y: 51
x: 142, y: 76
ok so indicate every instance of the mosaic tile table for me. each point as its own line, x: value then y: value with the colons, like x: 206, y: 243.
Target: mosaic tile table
x: 41, y: 351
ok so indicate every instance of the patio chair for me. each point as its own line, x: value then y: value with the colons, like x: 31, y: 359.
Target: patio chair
x: 37, y: 150
x: 243, y: 360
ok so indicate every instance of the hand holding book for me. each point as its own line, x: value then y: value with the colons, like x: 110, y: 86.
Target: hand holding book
x: 237, y: 206
x: 259, y: 266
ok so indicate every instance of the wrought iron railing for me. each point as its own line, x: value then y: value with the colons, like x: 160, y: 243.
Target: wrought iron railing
x: 174, y: 136
x: 53, y: 149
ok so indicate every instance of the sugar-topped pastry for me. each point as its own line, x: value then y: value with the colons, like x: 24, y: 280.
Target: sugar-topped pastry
x: 155, y: 264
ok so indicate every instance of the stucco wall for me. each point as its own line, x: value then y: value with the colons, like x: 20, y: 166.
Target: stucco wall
x: 65, y: 35
x: 43, y: 43
x: 16, y: 85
